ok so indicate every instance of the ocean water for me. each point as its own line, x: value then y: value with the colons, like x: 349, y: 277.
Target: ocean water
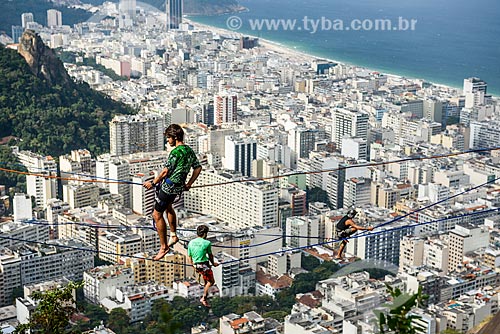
x: 452, y: 40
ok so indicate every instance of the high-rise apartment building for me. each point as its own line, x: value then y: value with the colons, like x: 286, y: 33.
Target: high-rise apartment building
x: 348, y: 123
x: 475, y: 91
x: 54, y: 18
x: 411, y: 252
x: 143, y: 199
x: 357, y: 192
x: 239, y: 154
x: 174, y: 13
x: 39, y: 186
x: 128, y: 8
x: 301, y: 141
x: 26, y: 18
x: 17, y: 32
x: 164, y: 272
x: 27, y: 264
x: 80, y: 195
x: 464, y: 239
x: 484, y: 134
x: 136, y: 133
x: 225, y: 108
x: 116, y: 245
x: 356, y: 148
x: 22, y: 207
x: 207, y: 116
x: 101, y: 282
x: 240, y: 204
x: 433, y: 110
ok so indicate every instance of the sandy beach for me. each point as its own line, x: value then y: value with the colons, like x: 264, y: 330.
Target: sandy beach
x: 295, y: 55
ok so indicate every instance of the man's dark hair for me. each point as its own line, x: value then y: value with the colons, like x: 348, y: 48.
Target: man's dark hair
x: 175, y: 131
x: 202, y: 230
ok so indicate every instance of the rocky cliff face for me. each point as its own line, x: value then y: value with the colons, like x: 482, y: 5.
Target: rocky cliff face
x: 42, y: 60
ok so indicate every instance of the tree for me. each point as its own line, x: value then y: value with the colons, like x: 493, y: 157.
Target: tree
x: 53, y: 311
x: 309, y: 262
x: 16, y: 293
x: 278, y: 315
x: 118, y: 320
x: 162, y: 319
x: 399, y: 320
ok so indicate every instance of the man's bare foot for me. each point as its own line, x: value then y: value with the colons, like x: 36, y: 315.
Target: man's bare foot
x: 204, y: 301
x: 161, y: 253
x: 172, y: 240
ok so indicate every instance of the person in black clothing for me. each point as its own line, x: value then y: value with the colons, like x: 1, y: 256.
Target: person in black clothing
x: 345, y: 228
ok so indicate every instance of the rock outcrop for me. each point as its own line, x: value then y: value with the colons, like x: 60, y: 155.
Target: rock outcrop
x: 42, y: 60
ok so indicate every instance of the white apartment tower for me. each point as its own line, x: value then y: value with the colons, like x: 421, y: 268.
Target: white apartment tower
x: 464, y: 240
x: 22, y: 207
x: 354, y: 147
x: 348, y: 123
x: 54, y: 18
x: 225, y: 108
x: 433, y: 110
x: 357, y: 192
x: 239, y: 154
x: 128, y: 8
x: 136, y: 133
x: 475, y: 90
x: 119, y: 169
x: 143, y: 199
x: 26, y: 18
x: 301, y: 141
x: 41, y: 187
x: 240, y: 204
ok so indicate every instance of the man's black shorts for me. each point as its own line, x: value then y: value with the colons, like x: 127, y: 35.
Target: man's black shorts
x: 162, y: 200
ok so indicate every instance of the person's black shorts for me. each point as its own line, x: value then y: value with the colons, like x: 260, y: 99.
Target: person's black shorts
x: 162, y: 200
x: 346, y: 233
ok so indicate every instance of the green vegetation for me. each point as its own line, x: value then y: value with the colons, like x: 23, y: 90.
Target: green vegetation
x: 376, y: 273
x: 53, y: 311
x: 11, y: 180
x: 399, y: 320
x: 309, y: 262
x: 52, y: 120
x: 11, y: 13
x: 318, y: 195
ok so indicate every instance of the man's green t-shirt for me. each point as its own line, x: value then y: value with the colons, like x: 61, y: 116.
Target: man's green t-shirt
x: 179, y: 162
x: 198, y: 250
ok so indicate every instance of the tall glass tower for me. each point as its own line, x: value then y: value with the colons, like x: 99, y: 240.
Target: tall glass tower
x: 174, y: 14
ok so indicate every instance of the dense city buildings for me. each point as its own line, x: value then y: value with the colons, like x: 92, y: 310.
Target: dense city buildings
x: 288, y: 144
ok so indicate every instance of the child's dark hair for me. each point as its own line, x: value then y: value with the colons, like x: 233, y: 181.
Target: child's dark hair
x: 202, y: 230
x: 175, y: 131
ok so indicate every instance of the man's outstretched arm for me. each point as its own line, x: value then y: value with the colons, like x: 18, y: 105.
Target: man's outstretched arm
x: 193, y: 177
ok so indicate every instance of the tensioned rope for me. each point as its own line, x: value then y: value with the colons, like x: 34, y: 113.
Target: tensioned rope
x: 393, y: 220
x: 99, y: 226
x: 94, y: 179
x: 259, y: 255
x: 277, y: 235
x: 364, y: 235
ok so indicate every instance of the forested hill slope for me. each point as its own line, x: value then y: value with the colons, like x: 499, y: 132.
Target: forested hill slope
x: 52, y: 119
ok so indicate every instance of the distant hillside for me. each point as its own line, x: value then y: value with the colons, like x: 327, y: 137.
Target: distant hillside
x: 10, y: 13
x: 51, y: 118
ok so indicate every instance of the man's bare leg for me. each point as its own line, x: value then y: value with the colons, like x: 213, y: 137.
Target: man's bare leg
x: 341, y: 250
x: 204, y: 299
x: 162, y: 233
x: 172, y: 222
